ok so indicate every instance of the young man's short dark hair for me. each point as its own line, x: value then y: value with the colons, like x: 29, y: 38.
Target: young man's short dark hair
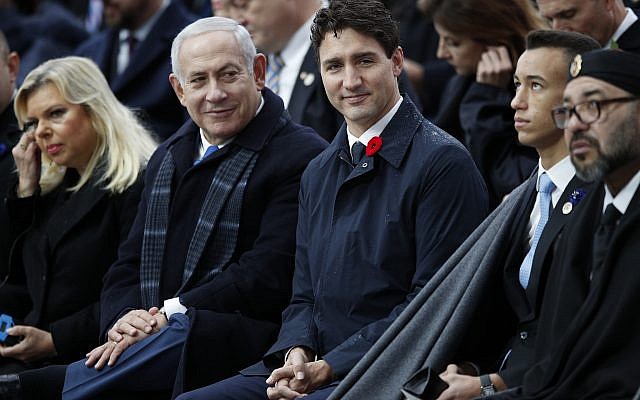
x: 572, y: 43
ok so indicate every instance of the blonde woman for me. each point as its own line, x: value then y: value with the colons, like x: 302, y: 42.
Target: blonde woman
x: 79, y: 168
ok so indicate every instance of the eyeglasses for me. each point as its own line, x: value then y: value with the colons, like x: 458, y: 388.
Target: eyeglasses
x: 587, y: 112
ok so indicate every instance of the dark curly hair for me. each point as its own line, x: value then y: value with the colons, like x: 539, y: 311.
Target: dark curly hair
x: 368, y: 17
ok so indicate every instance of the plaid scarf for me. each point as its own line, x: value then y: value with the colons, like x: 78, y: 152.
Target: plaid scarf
x: 220, y: 210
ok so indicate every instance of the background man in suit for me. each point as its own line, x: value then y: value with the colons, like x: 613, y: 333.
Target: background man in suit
x: 588, y: 332
x: 374, y: 226
x: 133, y: 53
x: 547, y: 204
x: 281, y: 28
x: 191, y: 249
x: 607, y: 21
x: 16, y: 302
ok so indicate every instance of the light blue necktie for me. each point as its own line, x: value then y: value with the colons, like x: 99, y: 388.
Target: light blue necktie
x: 276, y: 63
x: 545, y: 188
x: 210, y: 150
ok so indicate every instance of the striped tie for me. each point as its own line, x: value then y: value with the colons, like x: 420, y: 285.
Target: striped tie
x: 276, y: 63
x: 545, y: 188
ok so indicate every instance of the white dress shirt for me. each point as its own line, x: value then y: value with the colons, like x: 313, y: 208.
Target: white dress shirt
x: 560, y: 174
x: 628, y: 20
x: 623, y: 198
x: 376, y: 129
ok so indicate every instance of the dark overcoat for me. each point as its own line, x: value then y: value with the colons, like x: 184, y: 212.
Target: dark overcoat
x: 370, y: 236
x: 67, y: 242
x: 236, y: 314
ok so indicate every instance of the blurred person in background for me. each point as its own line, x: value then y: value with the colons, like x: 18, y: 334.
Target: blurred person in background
x: 133, y: 53
x: 608, y: 21
x: 482, y: 39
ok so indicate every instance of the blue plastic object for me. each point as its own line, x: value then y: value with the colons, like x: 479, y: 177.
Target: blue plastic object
x: 6, y: 322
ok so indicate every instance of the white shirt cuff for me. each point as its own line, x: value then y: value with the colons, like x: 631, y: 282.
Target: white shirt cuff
x: 173, y: 306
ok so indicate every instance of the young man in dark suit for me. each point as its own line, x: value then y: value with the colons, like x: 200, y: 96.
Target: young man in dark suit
x: 546, y: 205
x: 588, y: 338
x: 380, y: 210
x: 133, y: 54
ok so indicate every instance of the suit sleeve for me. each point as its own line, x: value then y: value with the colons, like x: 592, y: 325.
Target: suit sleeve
x: 442, y: 222
x: 487, y: 120
x: 298, y: 327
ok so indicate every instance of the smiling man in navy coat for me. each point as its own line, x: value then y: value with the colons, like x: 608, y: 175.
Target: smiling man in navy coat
x: 133, y: 54
x: 380, y: 210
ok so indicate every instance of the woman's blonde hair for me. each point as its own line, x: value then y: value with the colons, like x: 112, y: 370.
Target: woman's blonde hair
x: 123, y: 144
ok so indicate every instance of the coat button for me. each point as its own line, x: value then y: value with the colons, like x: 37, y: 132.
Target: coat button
x: 44, y: 277
x: 524, y: 335
x: 365, y: 165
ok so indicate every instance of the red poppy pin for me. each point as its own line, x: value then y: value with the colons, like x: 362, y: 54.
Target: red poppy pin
x: 374, y: 145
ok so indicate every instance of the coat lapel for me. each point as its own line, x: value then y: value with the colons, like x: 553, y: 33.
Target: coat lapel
x: 557, y: 221
x: 73, y: 210
x: 396, y: 139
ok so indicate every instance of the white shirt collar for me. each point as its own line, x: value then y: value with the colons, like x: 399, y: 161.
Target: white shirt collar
x: 293, y: 55
x: 623, y: 198
x: 376, y: 129
x: 204, y: 143
x: 628, y: 20
x: 560, y: 174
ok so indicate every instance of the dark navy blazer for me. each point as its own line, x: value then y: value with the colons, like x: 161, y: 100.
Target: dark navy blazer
x: 144, y: 84
x: 370, y: 237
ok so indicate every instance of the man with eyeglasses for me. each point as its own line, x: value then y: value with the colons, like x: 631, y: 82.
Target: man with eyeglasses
x: 588, y: 335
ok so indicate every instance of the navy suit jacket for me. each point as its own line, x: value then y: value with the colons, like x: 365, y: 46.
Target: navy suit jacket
x: 144, y: 83
x: 370, y: 236
x: 255, y: 286
x: 526, y: 303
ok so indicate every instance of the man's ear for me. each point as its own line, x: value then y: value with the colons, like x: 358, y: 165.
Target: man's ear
x: 260, y: 70
x: 13, y: 63
x: 397, y: 58
x: 177, y: 87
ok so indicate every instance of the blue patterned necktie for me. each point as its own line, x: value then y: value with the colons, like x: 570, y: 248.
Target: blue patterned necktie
x: 546, y: 186
x: 276, y: 63
x: 210, y: 150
